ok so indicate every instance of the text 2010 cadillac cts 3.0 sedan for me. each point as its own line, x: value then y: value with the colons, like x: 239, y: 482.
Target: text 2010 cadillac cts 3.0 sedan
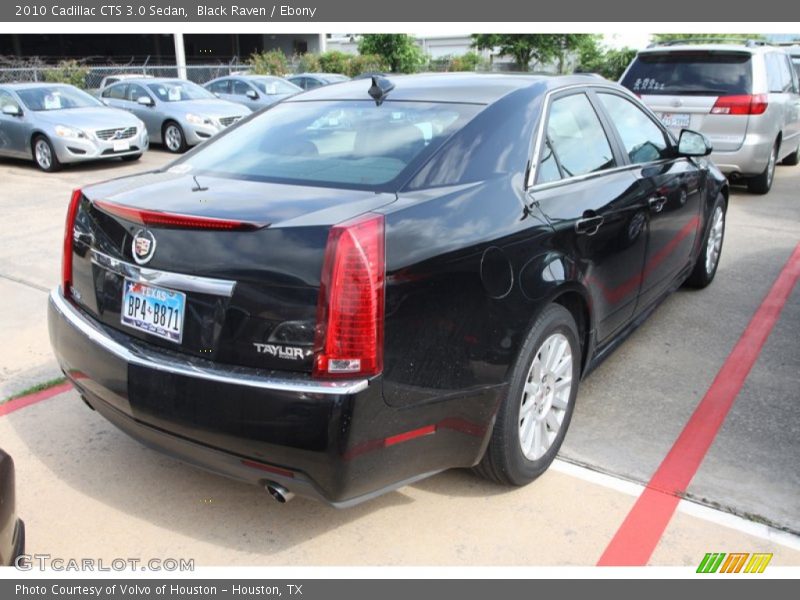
x: 375, y: 281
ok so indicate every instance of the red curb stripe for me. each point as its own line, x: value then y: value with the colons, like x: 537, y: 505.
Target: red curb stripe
x: 639, y: 534
x: 23, y: 401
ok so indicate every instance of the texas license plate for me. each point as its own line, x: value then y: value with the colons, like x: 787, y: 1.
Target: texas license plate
x: 154, y: 310
x: 122, y: 146
x: 676, y: 120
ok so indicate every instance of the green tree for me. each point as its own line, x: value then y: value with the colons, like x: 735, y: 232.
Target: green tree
x: 608, y: 62
x: 538, y: 48
x: 366, y: 63
x: 666, y: 37
x: 399, y: 50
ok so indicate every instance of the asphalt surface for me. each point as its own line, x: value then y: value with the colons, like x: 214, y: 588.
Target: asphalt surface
x: 77, y: 473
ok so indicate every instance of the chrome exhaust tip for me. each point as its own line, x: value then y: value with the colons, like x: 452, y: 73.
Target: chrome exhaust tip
x: 278, y: 492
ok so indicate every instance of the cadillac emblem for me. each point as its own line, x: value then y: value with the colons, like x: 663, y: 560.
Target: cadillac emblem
x: 143, y: 247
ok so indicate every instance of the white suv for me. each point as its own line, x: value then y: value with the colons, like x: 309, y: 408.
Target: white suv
x: 745, y: 97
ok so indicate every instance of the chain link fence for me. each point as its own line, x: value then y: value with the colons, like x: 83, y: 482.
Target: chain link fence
x: 90, y: 77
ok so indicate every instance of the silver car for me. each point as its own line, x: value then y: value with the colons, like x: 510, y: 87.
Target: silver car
x: 254, y: 91
x: 310, y: 81
x: 744, y: 97
x: 56, y: 124
x: 177, y: 113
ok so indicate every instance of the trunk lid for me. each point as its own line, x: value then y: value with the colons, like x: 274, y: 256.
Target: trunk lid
x: 249, y: 296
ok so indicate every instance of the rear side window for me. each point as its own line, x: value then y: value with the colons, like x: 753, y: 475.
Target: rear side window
x: 692, y: 72
x: 644, y: 141
x: 577, y: 138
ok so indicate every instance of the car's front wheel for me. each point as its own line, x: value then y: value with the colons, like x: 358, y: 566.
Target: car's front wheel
x: 173, y: 137
x: 535, y: 414
x: 707, y: 262
x: 44, y: 155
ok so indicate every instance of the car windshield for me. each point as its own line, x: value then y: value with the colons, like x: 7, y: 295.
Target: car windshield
x: 271, y: 86
x: 351, y: 144
x: 690, y: 72
x: 47, y: 98
x: 179, y: 91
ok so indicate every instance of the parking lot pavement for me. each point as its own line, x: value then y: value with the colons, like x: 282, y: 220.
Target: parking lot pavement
x: 77, y: 473
x: 633, y: 407
x: 33, y: 206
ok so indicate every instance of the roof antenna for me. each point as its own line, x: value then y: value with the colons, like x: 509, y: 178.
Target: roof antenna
x: 198, y: 187
x: 380, y: 89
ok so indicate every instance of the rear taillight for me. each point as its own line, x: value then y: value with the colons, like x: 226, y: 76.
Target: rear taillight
x: 349, y: 336
x: 66, y: 259
x: 740, y: 105
x: 164, y: 219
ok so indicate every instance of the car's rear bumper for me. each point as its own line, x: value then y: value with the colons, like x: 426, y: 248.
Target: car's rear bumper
x: 334, y: 441
x: 749, y: 159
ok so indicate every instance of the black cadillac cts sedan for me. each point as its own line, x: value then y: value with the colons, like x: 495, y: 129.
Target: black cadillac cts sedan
x: 375, y: 281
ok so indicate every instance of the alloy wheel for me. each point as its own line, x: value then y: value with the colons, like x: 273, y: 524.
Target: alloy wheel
x: 44, y: 156
x: 173, y: 138
x: 545, y: 396
x: 714, y: 244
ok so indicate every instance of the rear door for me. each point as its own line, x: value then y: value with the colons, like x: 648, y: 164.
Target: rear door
x: 595, y: 205
x: 682, y: 86
x: 672, y: 188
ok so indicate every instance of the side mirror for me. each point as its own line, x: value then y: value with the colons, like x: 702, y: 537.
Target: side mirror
x: 145, y: 101
x: 252, y: 94
x: 693, y: 143
x: 12, y: 110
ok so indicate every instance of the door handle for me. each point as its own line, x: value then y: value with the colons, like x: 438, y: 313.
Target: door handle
x: 588, y: 225
x: 656, y: 203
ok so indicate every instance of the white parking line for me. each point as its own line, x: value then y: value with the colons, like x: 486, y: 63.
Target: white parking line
x: 706, y: 513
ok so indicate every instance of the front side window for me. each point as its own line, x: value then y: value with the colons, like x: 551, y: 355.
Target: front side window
x: 644, y: 141
x: 352, y: 144
x: 577, y: 137
x: 240, y: 88
x: 135, y: 92
x: 116, y: 92
x: 48, y: 98
x: 179, y: 91
x: 220, y: 87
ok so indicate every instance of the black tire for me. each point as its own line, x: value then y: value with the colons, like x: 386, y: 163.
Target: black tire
x: 762, y: 183
x: 131, y: 157
x: 180, y: 146
x: 701, y: 275
x: 47, y: 161
x: 793, y: 159
x: 504, y: 461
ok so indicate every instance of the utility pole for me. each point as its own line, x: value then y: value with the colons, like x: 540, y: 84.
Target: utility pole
x: 180, y: 55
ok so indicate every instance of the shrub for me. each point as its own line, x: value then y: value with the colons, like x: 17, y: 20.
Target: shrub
x: 366, y: 63
x: 308, y: 63
x: 334, y: 61
x: 272, y: 62
x: 67, y: 71
x: 466, y: 62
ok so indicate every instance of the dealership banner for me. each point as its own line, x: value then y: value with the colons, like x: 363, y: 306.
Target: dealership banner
x: 406, y: 11
x: 398, y: 589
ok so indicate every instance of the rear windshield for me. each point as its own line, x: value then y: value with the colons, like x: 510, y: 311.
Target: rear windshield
x: 351, y: 144
x: 700, y: 73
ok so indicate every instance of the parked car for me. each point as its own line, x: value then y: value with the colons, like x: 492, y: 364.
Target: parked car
x: 310, y: 81
x: 346, y: 309
x: 254, y: 91
x: 744, y: 97
x: 109, y: 79
x: 12, y: 528
x: 177, y: 113
x: 55, y: 124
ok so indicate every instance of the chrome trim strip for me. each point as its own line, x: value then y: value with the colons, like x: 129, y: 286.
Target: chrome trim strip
x: 84, y: 325
x: 177, y: 281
